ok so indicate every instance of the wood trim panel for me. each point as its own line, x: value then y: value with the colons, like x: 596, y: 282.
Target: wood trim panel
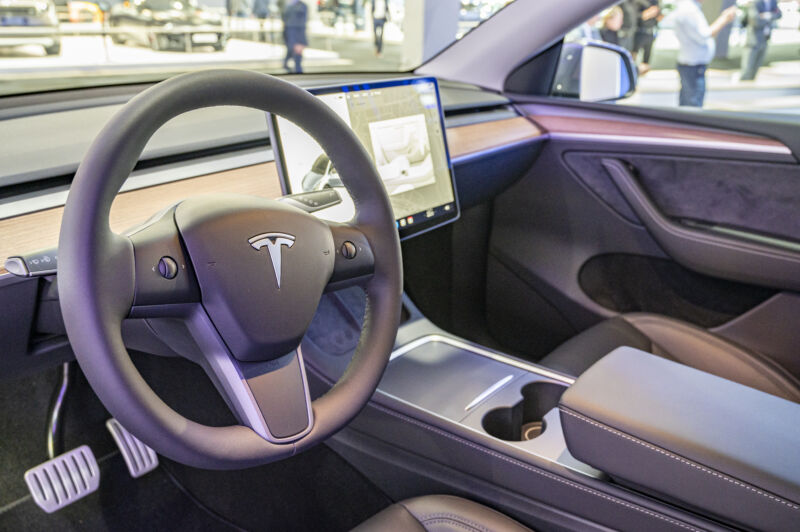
x: 475, y: 138
x: 638, y: 128
x: 39, y: 230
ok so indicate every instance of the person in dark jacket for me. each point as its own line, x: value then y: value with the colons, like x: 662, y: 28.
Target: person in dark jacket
x: 630, y: 20
x: 295, y: 18
x: 761, y: 18
x: 380, y: 14
x: 649, y: 15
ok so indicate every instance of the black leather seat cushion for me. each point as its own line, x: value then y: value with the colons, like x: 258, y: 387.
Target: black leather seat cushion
x: 678, y: 341
x: 440, y: 513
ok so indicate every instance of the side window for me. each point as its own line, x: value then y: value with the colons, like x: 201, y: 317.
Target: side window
x: 713, y: 54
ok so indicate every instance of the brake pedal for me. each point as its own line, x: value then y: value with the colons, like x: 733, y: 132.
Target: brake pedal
x: 139, y: 458
x: 64, y: 479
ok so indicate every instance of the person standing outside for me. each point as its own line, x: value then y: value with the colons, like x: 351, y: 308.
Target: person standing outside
x: 612, y: 22
x: 761, y: 17
x: 261, y: 12
x: 649, y: 15
x: 358, y: 15
x: 380, y: 14
x: 630, y: 21
x: 696, y: 39
x: 295, y: 18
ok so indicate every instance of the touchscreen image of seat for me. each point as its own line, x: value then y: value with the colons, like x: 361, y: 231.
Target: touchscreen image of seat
x: 401, y: 126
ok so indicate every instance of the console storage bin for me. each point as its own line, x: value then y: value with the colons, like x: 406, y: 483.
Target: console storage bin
x: 688, y: 437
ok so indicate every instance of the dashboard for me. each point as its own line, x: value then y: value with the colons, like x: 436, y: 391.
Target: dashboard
x: 216, y: 150
x: 401, y: 125
x: 489, y: 144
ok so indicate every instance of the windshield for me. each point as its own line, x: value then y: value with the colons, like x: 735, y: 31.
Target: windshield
x: 46, y: 45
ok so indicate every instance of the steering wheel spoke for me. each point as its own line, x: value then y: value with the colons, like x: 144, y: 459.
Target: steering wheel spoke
x: 164, y: 279
x: 354, y: 261
x: 270, y: 397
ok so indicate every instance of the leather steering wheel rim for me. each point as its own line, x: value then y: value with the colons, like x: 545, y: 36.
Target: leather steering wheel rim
x: 96, y: 268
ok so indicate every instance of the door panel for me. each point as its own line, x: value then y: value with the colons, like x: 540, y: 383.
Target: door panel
x: 731, y: 253
x: 570, y: 246
x: 758, y: 197
x: 761, y: 197
x: 544, y: 229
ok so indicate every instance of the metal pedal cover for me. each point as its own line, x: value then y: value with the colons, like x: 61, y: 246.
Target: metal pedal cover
x: 64, y: 479
x: 139, y: 458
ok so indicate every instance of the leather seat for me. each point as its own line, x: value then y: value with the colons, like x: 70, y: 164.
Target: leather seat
x: 439, y: 513
x: 678, y: 341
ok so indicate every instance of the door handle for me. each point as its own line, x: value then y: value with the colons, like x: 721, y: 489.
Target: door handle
x: 703, y: 251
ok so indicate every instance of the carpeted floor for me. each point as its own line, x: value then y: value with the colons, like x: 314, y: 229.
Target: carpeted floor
x: 152, y: 502
x: 317, y: 490
x: 23, y: 418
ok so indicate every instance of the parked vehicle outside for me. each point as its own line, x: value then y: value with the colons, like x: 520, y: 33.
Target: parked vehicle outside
x: 167, y: 25
x: 24, y: 22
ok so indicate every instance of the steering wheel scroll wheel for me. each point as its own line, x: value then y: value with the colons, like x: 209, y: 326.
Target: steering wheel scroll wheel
x: 242, y: 275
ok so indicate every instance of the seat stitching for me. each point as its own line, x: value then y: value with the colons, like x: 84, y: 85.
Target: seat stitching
x: 465, y: 525
x: 454, y: 517
x: 536, y: 470
x: 681, y: 459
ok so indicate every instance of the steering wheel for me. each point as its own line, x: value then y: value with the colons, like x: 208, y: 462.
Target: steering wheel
x: 242, y: 275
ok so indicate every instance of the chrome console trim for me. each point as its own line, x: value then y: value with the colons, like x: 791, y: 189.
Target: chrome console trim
x: 487, y: 392
x: 482, y: 351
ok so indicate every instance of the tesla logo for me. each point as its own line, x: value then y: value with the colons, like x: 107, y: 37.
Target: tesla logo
x: 274, y: 243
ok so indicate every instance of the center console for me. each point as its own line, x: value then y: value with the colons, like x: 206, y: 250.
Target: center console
x: 453, y: 417
x: 484, y: 391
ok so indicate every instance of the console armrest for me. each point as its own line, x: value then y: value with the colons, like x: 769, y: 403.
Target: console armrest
x: 689, y: 437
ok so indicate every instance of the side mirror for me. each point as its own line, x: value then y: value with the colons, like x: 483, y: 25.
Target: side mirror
x: 594, y: 71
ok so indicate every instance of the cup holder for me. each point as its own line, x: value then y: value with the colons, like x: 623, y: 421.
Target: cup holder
x: 523, y: 421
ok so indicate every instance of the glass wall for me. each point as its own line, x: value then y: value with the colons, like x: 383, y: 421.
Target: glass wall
x: 733, y: 55
x: 63, y: 43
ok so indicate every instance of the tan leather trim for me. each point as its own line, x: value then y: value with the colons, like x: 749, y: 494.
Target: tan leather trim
x: 696, y: 347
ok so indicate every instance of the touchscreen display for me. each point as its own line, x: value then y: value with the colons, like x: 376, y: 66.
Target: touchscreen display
x: 401, y: 126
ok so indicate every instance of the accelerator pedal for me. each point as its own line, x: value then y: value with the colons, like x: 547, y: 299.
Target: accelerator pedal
x: 139, y: 458
x: 64, y: 479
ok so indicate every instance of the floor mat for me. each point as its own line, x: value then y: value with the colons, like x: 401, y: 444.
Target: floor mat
x: 316, y: 490
x: 23, y: 416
